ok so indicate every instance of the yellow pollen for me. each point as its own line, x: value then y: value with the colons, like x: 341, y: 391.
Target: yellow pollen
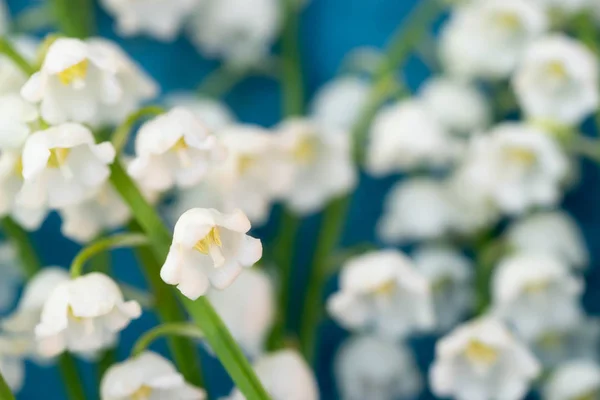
x: 306, y: 150
x: 556, y: 70
x: 18, y: 167
x: 522, y: 156
x: 143, y: 393
x: 245, y: 162
x: 212, y: 238
x: 480, y: 353
x: 72, y: 315
x: 387, y: 288
x: 536, y: 287
x: 73, y: 73
x: 509, y: 21
x: 180, y: 145
x: 58, y: 157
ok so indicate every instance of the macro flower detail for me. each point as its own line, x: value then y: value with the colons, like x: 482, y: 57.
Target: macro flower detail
x: 212, y: 112
x: 579, y: 379
x: 84, y: 315
x: 17, y: 118
x: 209, y: 248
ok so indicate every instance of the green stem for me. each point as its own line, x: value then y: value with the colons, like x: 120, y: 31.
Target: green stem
x: 8, y: 50
x: 108, y: 358
x: 121, y: 135
x: 173, y: 329
x: 74, y: 17
x: 487, y: 253
x: 70, y: 375
x: 201, y: 310
x: 21, y: 241
x: 5, y: 392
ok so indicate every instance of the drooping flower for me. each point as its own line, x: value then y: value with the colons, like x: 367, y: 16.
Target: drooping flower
x: 247, y: 308
x: 536, y: 293
x: 557, y: 81
x: 174, y: 149
x: 383, y: 292
x: 322, y: 166
x: 209, y: 248
x: 147, y: 376
x: 576, y: 380
x: 11, y: 275
x: 62, y: 166
x: 482, y: 360
x: 17, y: 120
x: 84, y: 315
x: 369, y: 367
x: 285, y: 376
x: 213, y: 113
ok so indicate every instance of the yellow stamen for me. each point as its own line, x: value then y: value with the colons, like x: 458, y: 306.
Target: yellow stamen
x: 212, y: 238
x: 557, y: 70
x: 72, y: 315
x: 74, y: 72
x: 306, y: 150
x: 508, y: 20
x: 521, y: 156
x: 536, y: 287
x: 18, y: 167
x: 480, y: 353
x: 245, y: 162
x: 180, y: 145
x: 387, y: 288
x: 58, y: 157
x: 143, y: 393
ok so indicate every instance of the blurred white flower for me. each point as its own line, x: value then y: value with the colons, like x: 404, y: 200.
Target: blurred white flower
x: 338, y: 104
x: 382, y: 291
x: 84, y: 315
x: 174, y: 149
x: 12, y: 366
x: 239, y: 31
x: 247, y: 308
x: 561, y: 8
x: 558, y: 81
x: 160, y: 19
x: 516, y: 167
x: 285, y: 376
x: 17, y: 119
x: 450, y: 276
x: 575, y: 380
x: 213, y: 113
x: 12, y: 77
x: 147, y: 376
x: 11, y: 275
x: 416, y: 209
x: 535, y: 293
x: 482, y: 360
x: 552, y: 232
x: 369, y: 367
x: 487, y: 38
x: 209, y: 248
x: 322, y: 166
x: 62, y: 166
x: 407, y: 136
x: 459, y: 106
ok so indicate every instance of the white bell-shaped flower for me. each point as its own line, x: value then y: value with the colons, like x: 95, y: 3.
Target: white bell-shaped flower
x: 161, y: 19
x: 17, y: 118
x: 12, y: 77
x: 487, y: 38
x: 450, y: 276
x: 174, y: 149
x: 369, y: 367
x: 557, y: 81
x: 322, y: 164
x: 458, y: 106
x: 382, y: 291
x: 147, y: 376
x: 209, y: 248
x: 482, y: 360
x: 247, y: 308
x: 62, y: 166
x: 238, y: 31
x: 84, y: 315
x: 516, y: 167
x: 535, y: 293
x: 12, y: 366
x: 285, y: 376
x: 575, y: 380
x: 213, y: 113
x: 407, y: 136
x: 11, y: 275
x: 551, y: 232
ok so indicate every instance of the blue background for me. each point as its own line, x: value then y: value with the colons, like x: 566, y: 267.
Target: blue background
x: 330, y: 29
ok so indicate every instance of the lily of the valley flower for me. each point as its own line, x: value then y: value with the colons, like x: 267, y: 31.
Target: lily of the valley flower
x: 17, y: 119
x: 576, y: 380
x: 382, y: 291
x: 62, y: 166
x: 369, y: 367
x: 482, y: 360
x: 84, y: 315
x: 146, y: 376
x: 213, y: 113
x: 209, y: 248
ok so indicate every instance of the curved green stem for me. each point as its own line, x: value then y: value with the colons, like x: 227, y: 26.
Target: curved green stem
x: 8, y: 50
x: 70, y: 374
x: 121, y: 135
x: 5, y: 392
x: 25, y: 249
x: 104, y: 244
x: 172, y: 329
x: 74, y: 17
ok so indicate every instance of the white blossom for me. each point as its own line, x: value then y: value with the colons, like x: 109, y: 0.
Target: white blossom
x: 174, y: 149
x: 247, y: 308
x: 12, y: 367
x: 558, y: 9
x: 285, y: 376
x: 576, y: 380
x: 147, y: 376
x: 209, y: 248
x: 213, y: 113
x: 160, y: 19
x: 558, y: 81
x: 12, y: 77
x: 11, y: 275
x: 369, y: 367
x: 551, y: 232
x: 406, y: 136
x: 382, y: 291
x: 62, y: 166
x: 487, y: 38
x: 482, y: 360
x: 84, y: 315
x: 17, y: 118
x: 536, y: 293
x: 450, y: 276
x: 322, y: 167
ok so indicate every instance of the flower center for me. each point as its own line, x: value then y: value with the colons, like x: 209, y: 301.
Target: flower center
x: 556, y: 70
x: 73, y: 73
x: 244, y: 163
x: 306, y: 150
x: 179, y: 145
x: 18, y: 166
x: 507, y: 20
x: 212, y: 238
x: 387, y: 288
x: 536, y: 287
x: 72, y: 315
x: 58, y: 157
x: 480, y: 353
x: 521, y: 156
x: 143, y: 393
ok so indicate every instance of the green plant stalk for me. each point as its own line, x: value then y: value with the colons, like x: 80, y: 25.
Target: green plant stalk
x: 184, y: 329
x: 7, y: 49
x: 200, y: 310
x: 74, y: 18
x: 5, y: 392
x: 120, y: 136
x: 68, y: 370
